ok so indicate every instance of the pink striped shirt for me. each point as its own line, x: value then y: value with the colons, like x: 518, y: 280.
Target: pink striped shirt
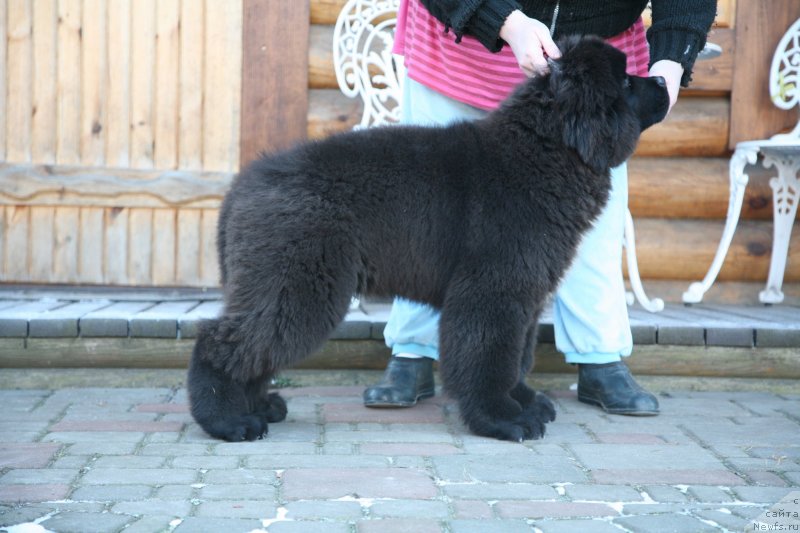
x: 467, y: 71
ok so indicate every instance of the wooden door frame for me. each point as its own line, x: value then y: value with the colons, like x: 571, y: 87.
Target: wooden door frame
x: 274, y: 111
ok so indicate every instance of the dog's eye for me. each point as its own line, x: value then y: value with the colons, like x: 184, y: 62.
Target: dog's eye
x: 626, y: 83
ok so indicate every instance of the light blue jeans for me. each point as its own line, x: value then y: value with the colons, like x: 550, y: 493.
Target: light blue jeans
x: 590, y: 313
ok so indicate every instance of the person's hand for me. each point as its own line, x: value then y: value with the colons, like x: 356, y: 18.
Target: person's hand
x: 530, y: 41
x: 672, y: 73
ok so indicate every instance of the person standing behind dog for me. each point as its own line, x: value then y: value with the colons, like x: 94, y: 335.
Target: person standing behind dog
x: 496, y: 43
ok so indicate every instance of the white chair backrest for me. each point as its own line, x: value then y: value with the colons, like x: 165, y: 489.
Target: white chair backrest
x: 784, y: 77
x: 363, y: 61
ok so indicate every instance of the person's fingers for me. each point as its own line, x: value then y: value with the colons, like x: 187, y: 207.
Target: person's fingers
x: 548, y: 45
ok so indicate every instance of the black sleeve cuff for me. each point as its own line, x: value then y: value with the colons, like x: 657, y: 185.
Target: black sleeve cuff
x: 675, y: 45
x: 486, y: 21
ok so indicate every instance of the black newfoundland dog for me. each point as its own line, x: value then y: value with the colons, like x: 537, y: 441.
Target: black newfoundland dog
x: 478, y: 219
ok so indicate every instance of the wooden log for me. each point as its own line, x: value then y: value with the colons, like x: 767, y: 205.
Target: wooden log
x: 320, y: 58
x: 715, y: 75
x: 675, y: 187
x: 81, y: 186
x: 326, y: 11
x: 710, y: 76
x: 330, y: 111
x: 684, y: 249
x: 695, y: 127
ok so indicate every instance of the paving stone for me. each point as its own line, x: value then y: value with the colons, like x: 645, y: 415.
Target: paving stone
x: 710, y: 494
x: 676, y: 523
x: 599, y: 493
x: 14, y: 319
x: 650, y: 457
x: 665, y: 494
x: 666, y: 476
x: 572, y: 526
x: 115, y: 425
x: 236, y: 509
x: 27, y: 455
x: 282, y: 462
x: 322, y: 509
x: 265, y: 447
x: 161, y: 320
x: 258, y: 476
x: 331, y: 483
x: 394, y: 525
x: 768, y: 495
x: 205, y: 461
x: 307, y: 526
x: 111, y: 321
x: 436, y: 434
x: 236, y: 491
x: 500, y: 491
x: 511, y: 468
x: 94, y: 447
x: 176, y: 508
x: 204, y: 524
x: 39, y: 492
x: 128, y: 461
x: 472, y: 509
x: 149, y: 524
x: 764, y: 431
x: 86, y: 522
x: 175, y: 492
x: 63, y: 321
x: 136, y: 476
x: 724, y: 517
x: 30, y: 475
x: 112, y: 493
x: 343, y: 412
x: 426, y: 450
x: 522, y: 509
x: 408, y: 509
x: 489, y: 526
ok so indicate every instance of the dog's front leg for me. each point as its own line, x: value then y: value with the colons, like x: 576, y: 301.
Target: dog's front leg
x: 483, y: 335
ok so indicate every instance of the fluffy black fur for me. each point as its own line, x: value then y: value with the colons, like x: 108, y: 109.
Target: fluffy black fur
x: 478, y: 219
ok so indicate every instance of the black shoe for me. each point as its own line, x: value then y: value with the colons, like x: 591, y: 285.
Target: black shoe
x: 405, y: 381
x: 612, y: 387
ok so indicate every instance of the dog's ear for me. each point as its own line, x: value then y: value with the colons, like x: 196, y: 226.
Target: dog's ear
x: 585, y: 86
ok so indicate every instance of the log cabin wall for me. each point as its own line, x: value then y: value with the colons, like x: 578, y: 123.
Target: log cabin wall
x: 122, y: 122
x: 119, y: 129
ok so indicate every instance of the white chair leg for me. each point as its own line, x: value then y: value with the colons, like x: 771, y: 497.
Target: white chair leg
x: 656, y: 304
x: 738, y: 181
x: 785, y: 196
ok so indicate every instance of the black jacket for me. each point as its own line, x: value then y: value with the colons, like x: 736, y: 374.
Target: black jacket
x: 678, y: 31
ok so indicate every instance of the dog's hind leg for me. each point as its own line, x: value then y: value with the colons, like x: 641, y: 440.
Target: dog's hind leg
x: 273, y: 318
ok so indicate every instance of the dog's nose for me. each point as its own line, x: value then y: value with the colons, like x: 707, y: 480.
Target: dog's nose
x: 660, y: 80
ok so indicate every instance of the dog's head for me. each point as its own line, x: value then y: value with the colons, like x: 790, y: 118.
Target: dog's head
x: 602, y: 109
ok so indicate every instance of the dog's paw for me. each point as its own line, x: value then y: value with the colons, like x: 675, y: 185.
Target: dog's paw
x: 240, y: 428
x: 544, y: 408
x: 273, y: 408
x: 518, y: 423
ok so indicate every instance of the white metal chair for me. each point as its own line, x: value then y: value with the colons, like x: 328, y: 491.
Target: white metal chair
x: 782, y: 152
x: 365, y: 68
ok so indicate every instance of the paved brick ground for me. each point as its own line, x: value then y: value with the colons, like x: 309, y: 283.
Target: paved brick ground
x: 92, y: 459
